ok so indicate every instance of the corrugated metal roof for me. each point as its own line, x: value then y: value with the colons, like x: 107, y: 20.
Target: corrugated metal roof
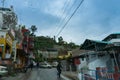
x: 97, y: 41
x: 92, y: 44
x: 78, y: 52
x: 110, y: 36
x: 115, y: 33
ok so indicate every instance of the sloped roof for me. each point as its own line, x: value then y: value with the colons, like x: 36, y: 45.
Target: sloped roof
x: 78, y: 52
x: 93, y: 44
x: 113, y: 34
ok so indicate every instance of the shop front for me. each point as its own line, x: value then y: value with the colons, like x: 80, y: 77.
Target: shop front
x: 5, y: 50
x: 21, y: 58
x: 2, y: 45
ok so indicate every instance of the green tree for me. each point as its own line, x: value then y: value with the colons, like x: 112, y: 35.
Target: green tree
x: 23, y: 26
x: 42, y: 42
x: 60, y: 40
x: 72, y: 45
x: 33, y: 29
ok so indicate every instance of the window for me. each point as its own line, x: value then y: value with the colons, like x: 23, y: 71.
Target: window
x: 118, y: 36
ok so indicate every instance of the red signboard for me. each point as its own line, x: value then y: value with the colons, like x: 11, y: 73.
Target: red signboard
x: 77, y: 61
x: 0, y: 49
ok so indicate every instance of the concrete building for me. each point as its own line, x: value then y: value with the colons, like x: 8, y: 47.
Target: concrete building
x: 102, y: 61
x: 49, y: 53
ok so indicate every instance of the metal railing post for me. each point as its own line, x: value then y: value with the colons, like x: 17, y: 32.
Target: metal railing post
x: 96, y: 75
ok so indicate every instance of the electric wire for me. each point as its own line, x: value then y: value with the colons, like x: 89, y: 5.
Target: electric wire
x: 66, y: 4
x: 65, y: 18
x: 70, y: 18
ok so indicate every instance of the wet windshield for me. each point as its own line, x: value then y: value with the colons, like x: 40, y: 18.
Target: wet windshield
x: 59, y: 40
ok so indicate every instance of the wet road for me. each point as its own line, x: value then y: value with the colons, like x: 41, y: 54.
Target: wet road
x: 44, y: 74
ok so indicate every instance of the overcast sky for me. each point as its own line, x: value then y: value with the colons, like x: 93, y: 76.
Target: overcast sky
x: 95, y: 19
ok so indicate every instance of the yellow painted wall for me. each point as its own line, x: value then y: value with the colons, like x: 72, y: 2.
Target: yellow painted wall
x: 65, y: 56
x: 9, y: 41
x: 2, y: 42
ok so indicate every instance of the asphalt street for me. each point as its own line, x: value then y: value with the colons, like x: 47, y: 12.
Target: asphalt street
x: 44, y: 74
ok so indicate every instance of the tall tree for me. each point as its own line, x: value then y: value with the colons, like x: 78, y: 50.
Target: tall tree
x: 23, y: 26
x: 60, y: 40
x: 33, y: 28
x: 72, y: 45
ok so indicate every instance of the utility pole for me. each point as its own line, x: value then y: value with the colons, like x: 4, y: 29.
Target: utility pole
x: 14, y: 50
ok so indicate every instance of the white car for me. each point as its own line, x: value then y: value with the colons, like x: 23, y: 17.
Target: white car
x: 3, y: 70
x: 54, y: 64
x: 45, y: 65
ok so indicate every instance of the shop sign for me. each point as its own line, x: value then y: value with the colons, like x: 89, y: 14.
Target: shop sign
x: 9, y: 39
x: 1, y: 44
x: 12, y: 32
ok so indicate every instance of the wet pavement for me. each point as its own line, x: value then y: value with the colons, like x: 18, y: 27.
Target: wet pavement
x: 37, y: 74
x: 44, y: 74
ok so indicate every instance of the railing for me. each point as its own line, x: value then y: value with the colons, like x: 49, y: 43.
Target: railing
x: 88, y: 74
x: 101, y: 74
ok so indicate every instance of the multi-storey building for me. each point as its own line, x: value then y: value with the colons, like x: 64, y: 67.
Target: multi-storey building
x: 28, y: 44
x: 8, y: 21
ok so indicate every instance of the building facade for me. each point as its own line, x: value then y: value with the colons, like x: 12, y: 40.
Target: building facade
x: 102, y: 62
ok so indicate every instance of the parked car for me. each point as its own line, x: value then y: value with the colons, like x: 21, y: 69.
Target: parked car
x: 54, y: 64
x: 45, y: 65
x: 3, y: 70
x: 34, y: 64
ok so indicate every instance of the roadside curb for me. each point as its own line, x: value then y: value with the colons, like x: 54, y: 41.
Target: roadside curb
x: 71, y: 75
x: 65, y: 78
x: 19, y: 76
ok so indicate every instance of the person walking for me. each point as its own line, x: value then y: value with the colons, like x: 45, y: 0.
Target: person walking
x: 59, y: 69
x: 31, y: 65
x: 37, y: 65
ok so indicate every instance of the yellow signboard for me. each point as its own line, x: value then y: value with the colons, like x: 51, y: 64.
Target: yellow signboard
x: 2, y: 41
x: 9, y: 40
